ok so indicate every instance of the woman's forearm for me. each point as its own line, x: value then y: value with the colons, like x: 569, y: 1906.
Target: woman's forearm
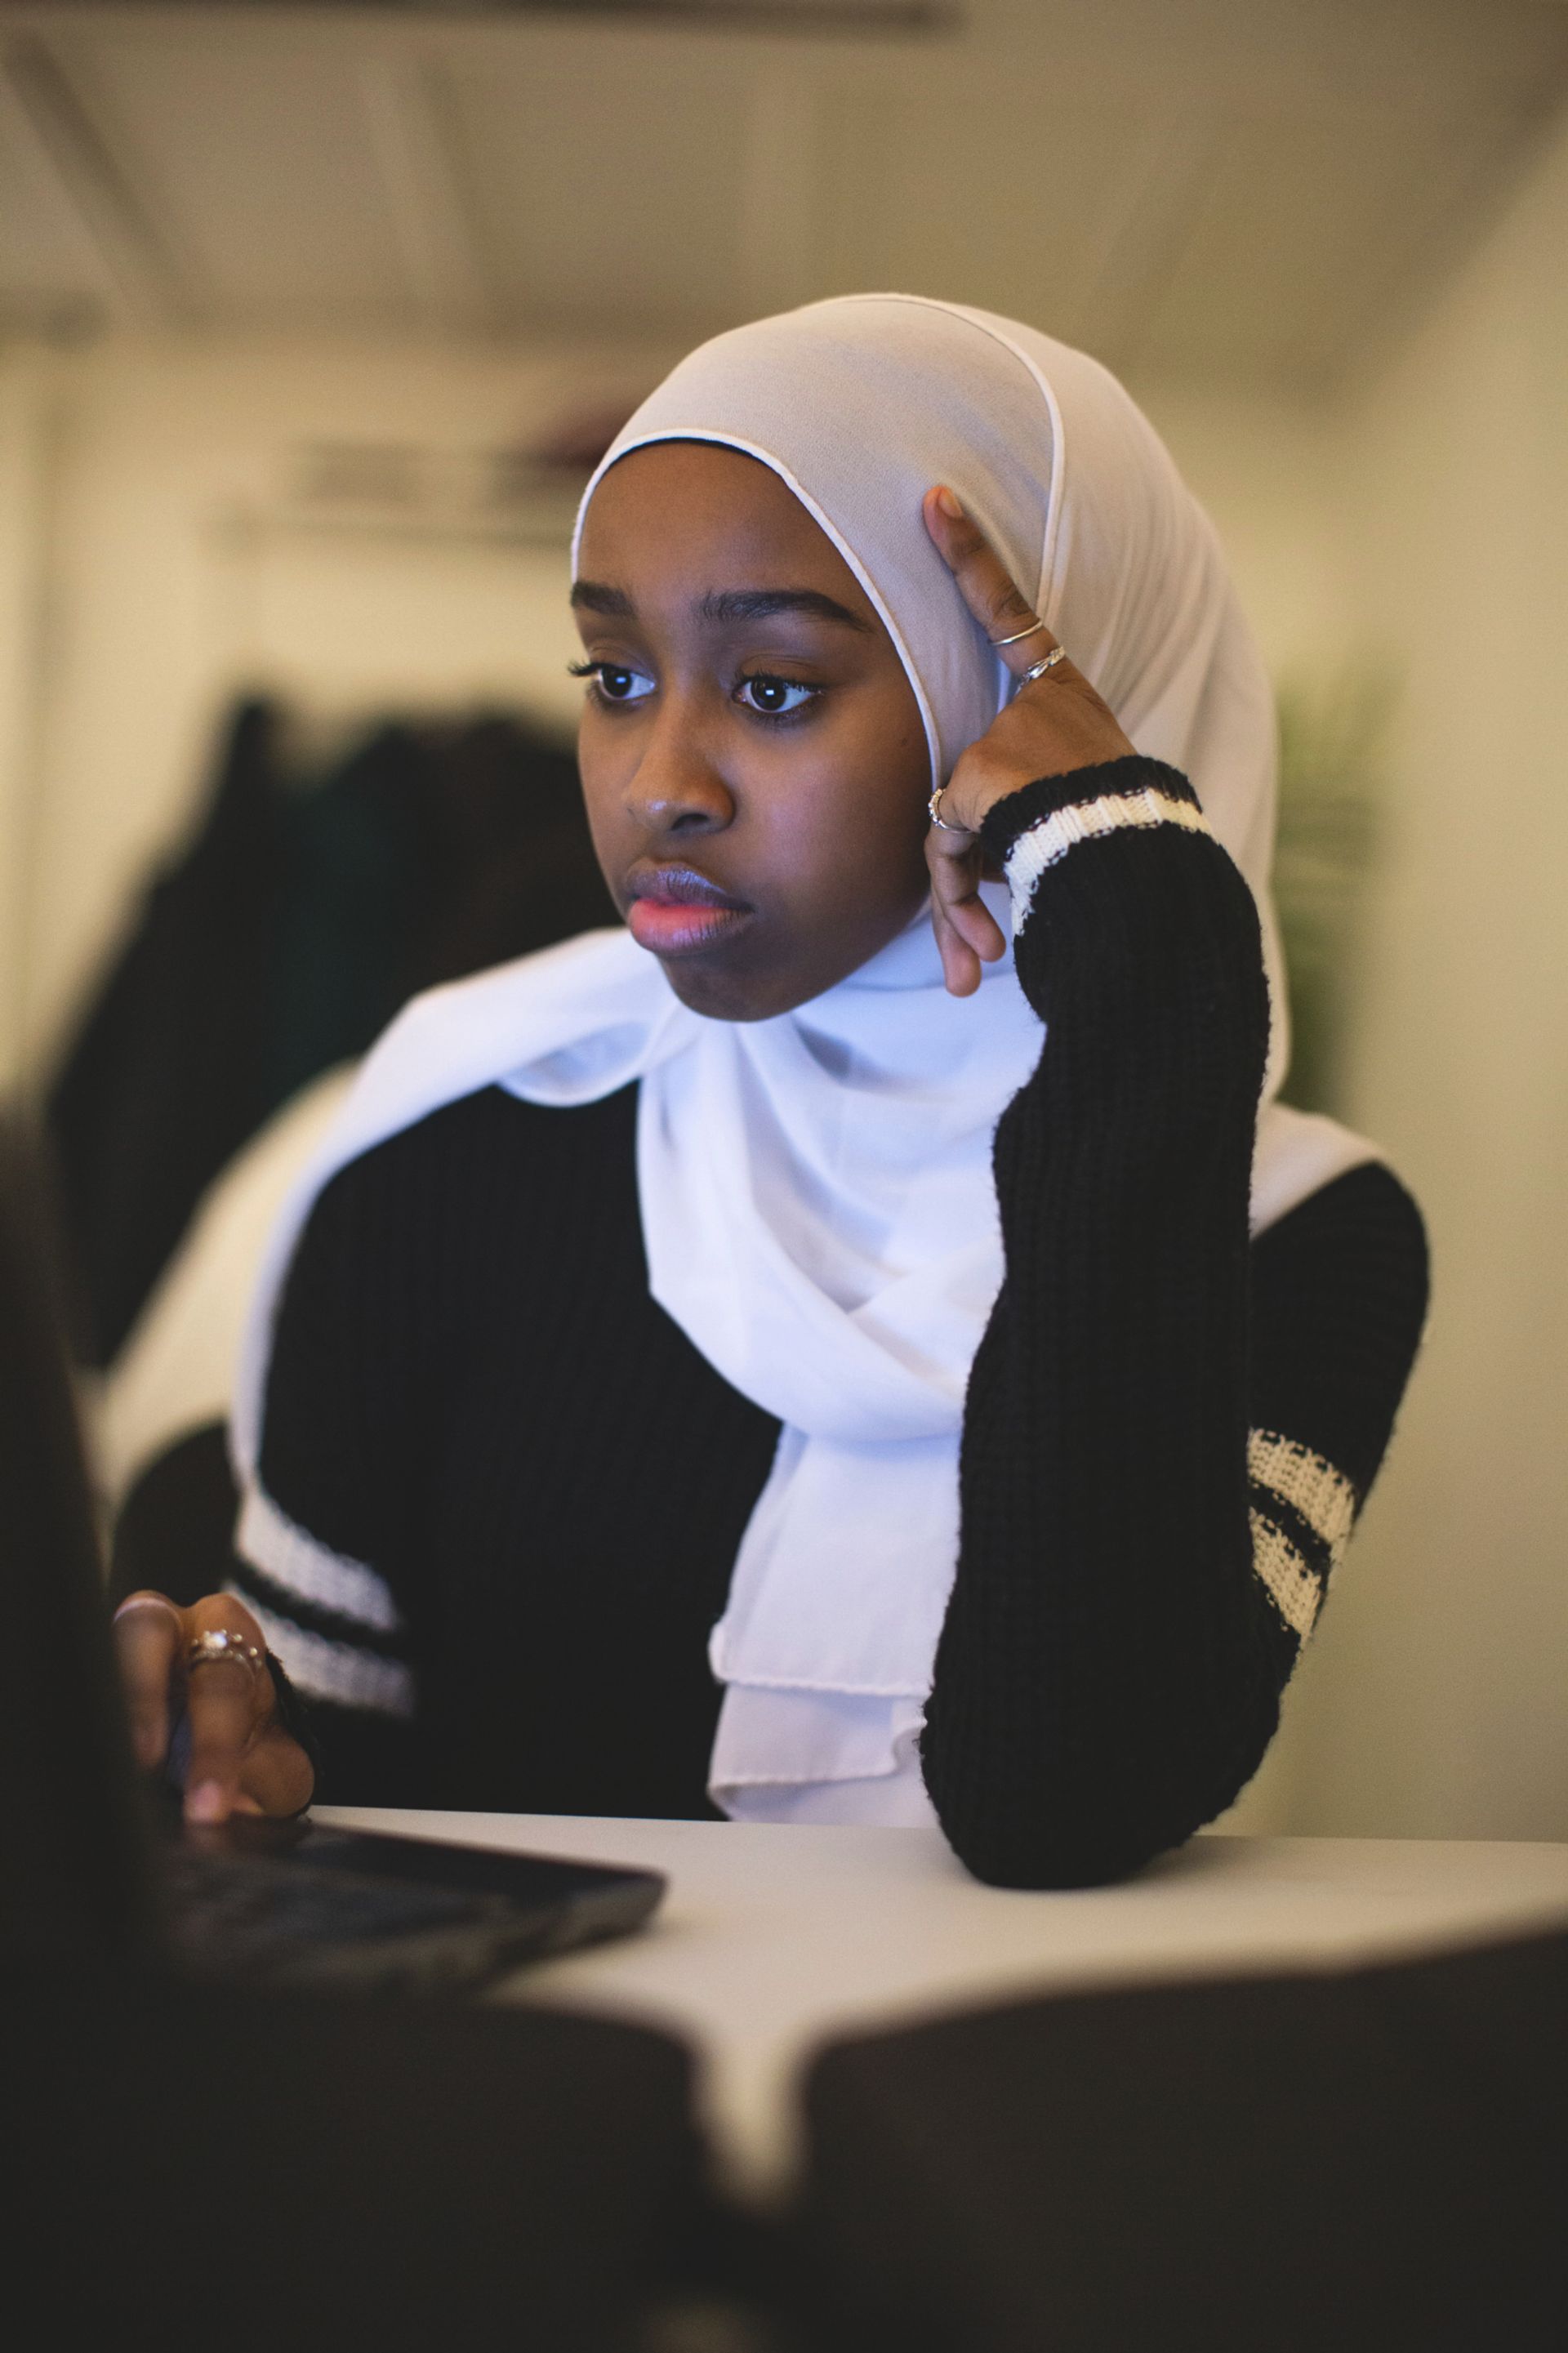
x: 1108, y: 1677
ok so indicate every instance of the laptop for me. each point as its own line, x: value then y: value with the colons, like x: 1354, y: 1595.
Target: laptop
x: 92, y: 1865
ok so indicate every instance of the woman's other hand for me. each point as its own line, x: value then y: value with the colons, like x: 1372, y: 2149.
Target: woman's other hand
x: 242, y: 1761
x: 1052, y: 726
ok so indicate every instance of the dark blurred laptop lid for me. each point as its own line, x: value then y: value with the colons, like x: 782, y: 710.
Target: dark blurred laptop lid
x: 72, y: 1844
x: 84, y: 1875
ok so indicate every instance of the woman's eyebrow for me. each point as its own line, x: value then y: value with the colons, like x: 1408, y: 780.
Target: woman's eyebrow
x: 761, y: 604
x: 595, y: 596
x: 726, y: 604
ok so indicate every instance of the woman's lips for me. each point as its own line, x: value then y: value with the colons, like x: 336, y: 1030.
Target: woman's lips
x: 669, y: 929
x: 675, y: 910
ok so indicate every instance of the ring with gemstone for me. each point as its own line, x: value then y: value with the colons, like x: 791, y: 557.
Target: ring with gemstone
x: 216, y: 1646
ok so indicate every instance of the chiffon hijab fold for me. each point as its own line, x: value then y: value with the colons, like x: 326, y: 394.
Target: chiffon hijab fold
x: 816, y: 1190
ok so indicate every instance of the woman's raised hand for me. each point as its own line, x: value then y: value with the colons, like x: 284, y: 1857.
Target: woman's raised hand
x: 1051, y: 727
x: 242, y: 1761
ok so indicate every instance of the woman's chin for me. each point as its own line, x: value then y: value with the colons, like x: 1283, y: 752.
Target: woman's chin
x: 739, y: 975
x: 705, y: 987
x: 725, y: 983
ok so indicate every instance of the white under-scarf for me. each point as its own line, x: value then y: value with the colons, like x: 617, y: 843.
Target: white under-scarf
x: 817, y: 1202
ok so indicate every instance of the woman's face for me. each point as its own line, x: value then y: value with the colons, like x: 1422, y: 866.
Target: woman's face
x: 751, y: 752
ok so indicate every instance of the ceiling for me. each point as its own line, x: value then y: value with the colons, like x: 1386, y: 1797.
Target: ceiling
x: 1246, y: 191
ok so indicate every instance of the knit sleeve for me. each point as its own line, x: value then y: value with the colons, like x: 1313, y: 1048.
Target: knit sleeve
x: 1169, y: 1431
x: 327, y: 1539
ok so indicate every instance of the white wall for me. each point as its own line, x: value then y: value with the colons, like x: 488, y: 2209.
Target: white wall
x: 1436, y: 1701
x: 29, y: 468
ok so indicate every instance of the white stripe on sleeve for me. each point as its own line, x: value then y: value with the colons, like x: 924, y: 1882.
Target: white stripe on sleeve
x: 1044, y: 844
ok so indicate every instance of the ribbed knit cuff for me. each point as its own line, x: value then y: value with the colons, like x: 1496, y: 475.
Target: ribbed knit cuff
x: 1034, y: 829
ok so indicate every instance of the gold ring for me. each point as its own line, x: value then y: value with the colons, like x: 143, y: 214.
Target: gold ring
x: 216, y: 1646
x: 933, y: 811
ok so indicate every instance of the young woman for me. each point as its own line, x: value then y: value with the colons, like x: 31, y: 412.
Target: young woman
x: 863, y: 1343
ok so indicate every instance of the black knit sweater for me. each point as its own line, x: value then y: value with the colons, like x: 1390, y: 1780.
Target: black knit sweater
x: 536, y: 1486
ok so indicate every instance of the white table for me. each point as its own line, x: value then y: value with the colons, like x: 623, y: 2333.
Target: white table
x: 773, y: 1940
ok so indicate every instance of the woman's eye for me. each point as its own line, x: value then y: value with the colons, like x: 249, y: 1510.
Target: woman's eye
x: 613, y: 682
x: 775, y: 698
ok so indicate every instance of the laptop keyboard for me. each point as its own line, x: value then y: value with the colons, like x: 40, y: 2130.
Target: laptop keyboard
x: 244, y: 1914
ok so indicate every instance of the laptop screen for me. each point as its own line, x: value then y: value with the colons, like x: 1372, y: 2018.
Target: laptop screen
x: 73, y: 1882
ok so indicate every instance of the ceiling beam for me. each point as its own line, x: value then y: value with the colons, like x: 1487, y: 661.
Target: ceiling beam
x: 415, y: 139
x: 778, y: 189
x: 1152, y: 229
x: 152, y: 285
x: 856, y: 18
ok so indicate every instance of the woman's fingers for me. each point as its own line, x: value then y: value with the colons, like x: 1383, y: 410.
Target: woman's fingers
x: 229, y: 1703
x: 149, y: 1636
x: 1050, y: 728
x: 960, y: 965
x: 279, y: 1776
x: 986, y: 584
x: 966, y: 931
x: 242, y: 1761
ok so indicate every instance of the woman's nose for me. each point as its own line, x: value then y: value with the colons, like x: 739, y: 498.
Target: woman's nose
x: 675, y: 789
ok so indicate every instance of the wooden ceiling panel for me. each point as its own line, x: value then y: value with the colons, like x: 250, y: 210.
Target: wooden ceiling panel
x: 1016, y: 199
x: 1307, y: 233
x: 1238, y: 189
x: 257, y: 158
x: 606, y: 179
x: 51, y: 269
